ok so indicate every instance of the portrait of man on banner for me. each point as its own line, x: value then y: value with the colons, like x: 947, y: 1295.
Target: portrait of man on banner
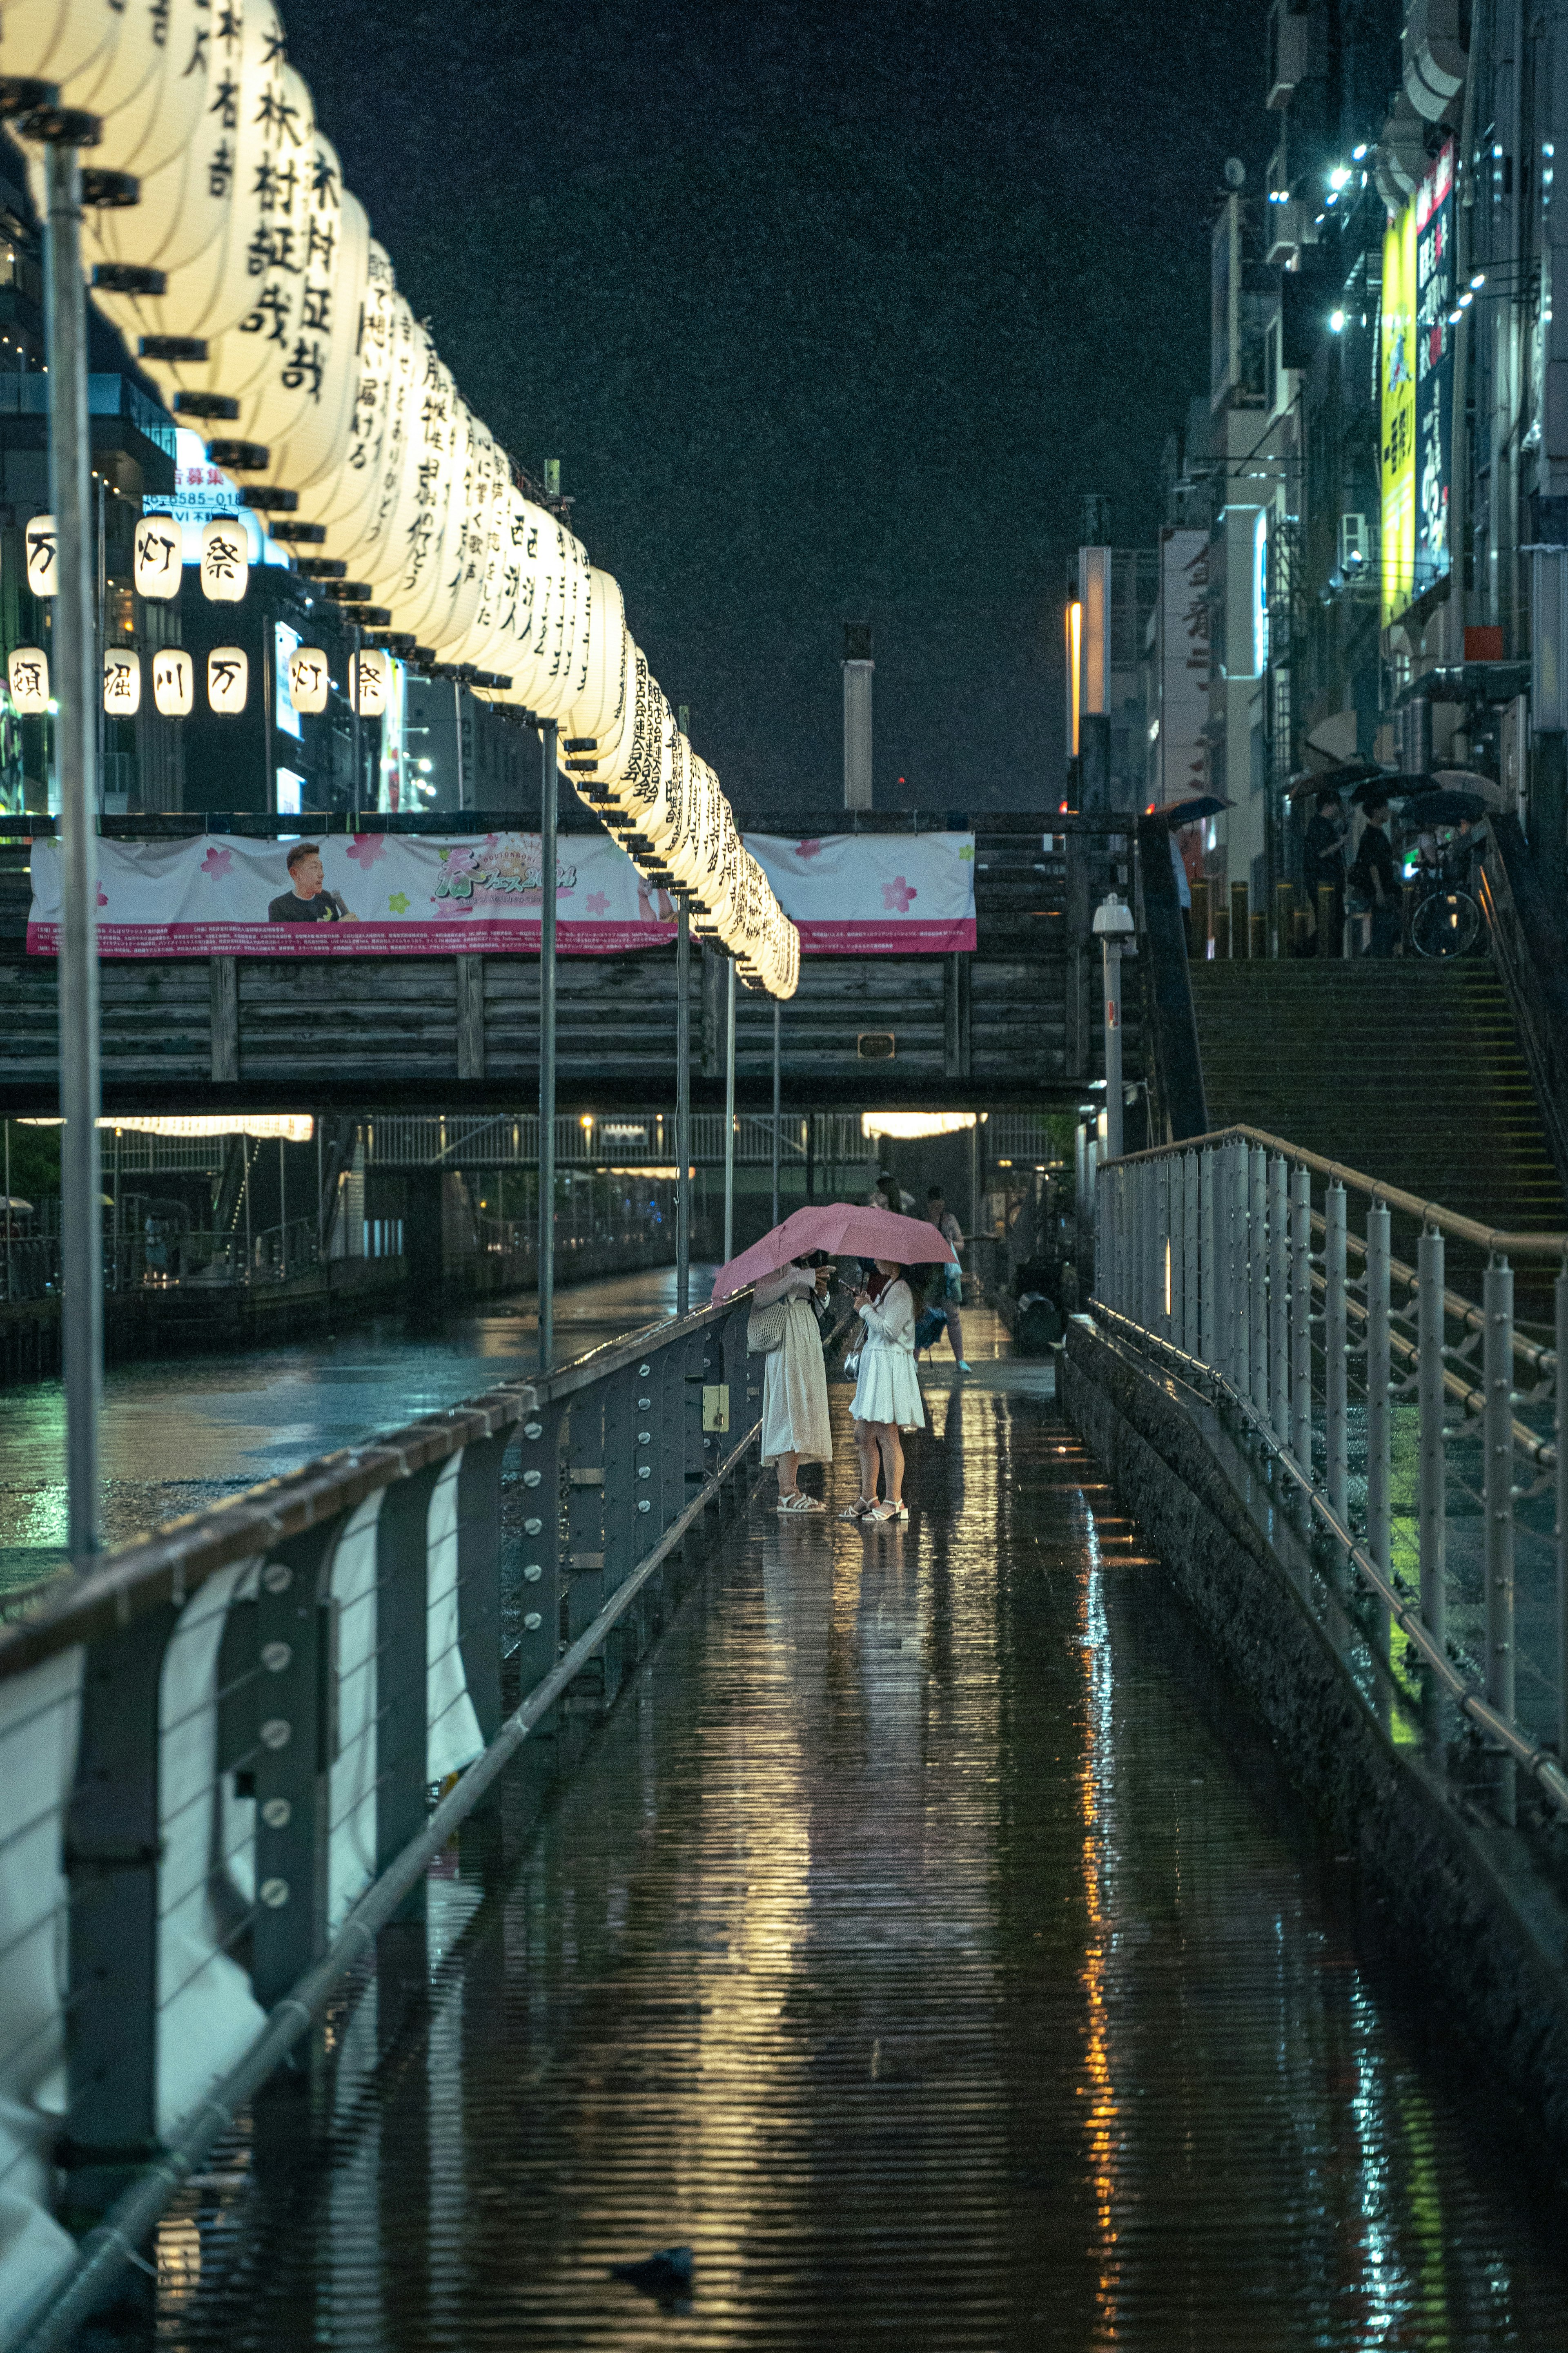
x: 307, y: 898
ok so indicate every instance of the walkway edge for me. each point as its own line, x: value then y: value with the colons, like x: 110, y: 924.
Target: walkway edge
x: 1489, y: 1926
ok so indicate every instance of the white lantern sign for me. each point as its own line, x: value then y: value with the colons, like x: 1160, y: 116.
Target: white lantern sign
x: 225, y: 560
x: 228, y: 678
x: 122, y: 681
x: 368, y: 681
x: 43, y: 570
x: 28, y: 675
x: 174, y: 682
x: 159, y: 557
x: 308, y: 680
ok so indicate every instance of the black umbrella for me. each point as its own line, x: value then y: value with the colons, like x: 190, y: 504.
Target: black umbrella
x: 1188, y: 812
x: 1338, y: 779
x: 1385, y: 788
x: 1445, y: 808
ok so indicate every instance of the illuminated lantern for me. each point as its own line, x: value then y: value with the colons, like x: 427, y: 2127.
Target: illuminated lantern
x: 225, y: 560
x: 160, y: 557
x: 308, y: 680
x: 43, y: 572
x: 28, y: 675
x: 369, y: 681
x: 174, y: 682
x: 228, y: 678
x: 121, y: 682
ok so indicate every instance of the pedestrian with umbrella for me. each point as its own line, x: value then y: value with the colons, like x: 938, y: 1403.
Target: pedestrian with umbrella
x: 1323, y: 867
x: 1373, y: 876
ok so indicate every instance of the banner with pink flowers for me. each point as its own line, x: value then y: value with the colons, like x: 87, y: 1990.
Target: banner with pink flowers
x: 873, y: 893
x: 361, y: 894
x: 420, y: 894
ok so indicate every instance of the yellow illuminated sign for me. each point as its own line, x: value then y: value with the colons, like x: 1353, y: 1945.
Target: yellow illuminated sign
x: 1396, y: 422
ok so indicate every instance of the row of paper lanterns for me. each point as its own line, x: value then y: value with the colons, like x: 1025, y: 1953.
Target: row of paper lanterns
x: 157, y: 558
x: 278, y: 305
x: 228, y: 680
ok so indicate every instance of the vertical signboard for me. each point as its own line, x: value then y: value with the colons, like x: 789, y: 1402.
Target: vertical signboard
x: 1434, y: 369
x: 1396, y: 421
x: 1184, y: 646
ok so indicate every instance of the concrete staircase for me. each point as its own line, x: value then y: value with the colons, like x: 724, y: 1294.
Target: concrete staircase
x: 1407, y: 1069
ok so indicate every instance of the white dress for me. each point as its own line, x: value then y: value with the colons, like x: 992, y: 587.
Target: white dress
x: 889, y: 1389
x: 795, y: 1379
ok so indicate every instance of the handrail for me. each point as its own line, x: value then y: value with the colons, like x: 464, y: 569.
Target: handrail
x: 1495, y: 1239
x: 1176, y: 1063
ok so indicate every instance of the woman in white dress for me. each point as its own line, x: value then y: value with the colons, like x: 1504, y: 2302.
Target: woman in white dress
x: 795, y: 1427
x: 887, y: 1396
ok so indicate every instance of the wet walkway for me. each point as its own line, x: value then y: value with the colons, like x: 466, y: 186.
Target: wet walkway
x: 917, y: 1948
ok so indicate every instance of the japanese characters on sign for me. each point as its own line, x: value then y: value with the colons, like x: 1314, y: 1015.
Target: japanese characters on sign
x: 122, y: 681
x: 1434, y: 369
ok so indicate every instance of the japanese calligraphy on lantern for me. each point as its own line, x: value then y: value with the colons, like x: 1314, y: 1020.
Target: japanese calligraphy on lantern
x: 158, y: 556
x: 225, y: 560
x: 122, y: 681
x: 174, y: 682
x: 43, y: 572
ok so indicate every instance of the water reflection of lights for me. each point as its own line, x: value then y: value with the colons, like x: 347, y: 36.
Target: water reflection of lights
x: 1095, y: 1792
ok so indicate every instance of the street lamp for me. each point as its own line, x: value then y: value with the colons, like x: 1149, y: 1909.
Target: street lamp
x: 1112, y: 926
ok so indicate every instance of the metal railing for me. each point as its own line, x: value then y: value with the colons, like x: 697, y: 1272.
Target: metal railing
x: 219, y: 1746
x: 1425, y: 1428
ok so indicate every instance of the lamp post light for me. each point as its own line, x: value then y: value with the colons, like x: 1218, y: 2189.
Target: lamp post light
x: 1112, y: 927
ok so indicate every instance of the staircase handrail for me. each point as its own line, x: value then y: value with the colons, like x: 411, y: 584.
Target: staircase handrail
x: 1531, y: 960
x: 1174, y: 1059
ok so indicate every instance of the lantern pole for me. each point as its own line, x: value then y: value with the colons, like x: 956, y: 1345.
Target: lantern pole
x: 458, y: 734
x: 82, y: 1183
x: 729, y: 1116
x: 354, y: 735
x: 778, y: 1013
x: 547, y: 795
x: 682, y: 1104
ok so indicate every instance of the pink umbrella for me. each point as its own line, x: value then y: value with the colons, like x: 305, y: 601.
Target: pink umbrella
x: 842, y: 1228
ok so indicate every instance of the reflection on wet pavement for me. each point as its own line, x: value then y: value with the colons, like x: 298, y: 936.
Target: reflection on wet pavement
x: 916, y: 1948
x: 179, y: 1433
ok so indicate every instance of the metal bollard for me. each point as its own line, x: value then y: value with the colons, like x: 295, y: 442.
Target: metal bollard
x: 1378, y: 1464
x: 1190, y: 1292
x: 1561, y: 1299
x: 1258, y: 1274
x: 1301, y: 1318
x: 1209, y: 1272
x: 1335, y: 1416
x: 1434, y: 1466
x: 1279, y: 1298
x: 1498, y: 1492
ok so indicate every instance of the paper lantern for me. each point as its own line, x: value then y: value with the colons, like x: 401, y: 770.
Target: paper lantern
x: 309, y: 680
x: 369, y: 681
x: 43, y: 571
x: 228, y: 680
x: 159, y: 557
x: 225, y: 560
x: 122, y: 681
x: 28, y: 675
x: 174, y: 682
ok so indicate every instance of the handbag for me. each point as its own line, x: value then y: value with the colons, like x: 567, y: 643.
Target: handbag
x: 766, y: 1328
x: 852, y: 1354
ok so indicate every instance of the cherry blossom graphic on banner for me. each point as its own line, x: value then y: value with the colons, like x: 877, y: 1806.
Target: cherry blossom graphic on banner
x: 873, y: 893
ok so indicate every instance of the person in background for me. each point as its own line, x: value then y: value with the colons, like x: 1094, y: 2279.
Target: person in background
x: 888, y: 1194
x: 1372, y: 875
x: 887, y: 1396
x: 796, y: 1428
x: 946, y: 1295
x: 1323, y: 867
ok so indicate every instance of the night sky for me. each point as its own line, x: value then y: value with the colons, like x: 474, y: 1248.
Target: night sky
x: 831, y: 310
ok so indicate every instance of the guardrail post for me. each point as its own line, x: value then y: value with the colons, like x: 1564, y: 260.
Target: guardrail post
x: 1212, y: 1273
x: 1279, y: 1298
x: 1301, y: 1318
x: 585, y: 1510
x: 1336, y: 1418
x: 1148, y: 1245
x: 1560, y: 1301
x: 1240, y: 1288
x: 1190, y: 1276
x: 1434, y: 1523
x: 623, y: 1526
x: 1378, y: 1464
x: 1497, y: 1490
x: 1167, y: 1248
x: 1257, y: 1275
x: 478, y: 1577
x: 402, y: 1578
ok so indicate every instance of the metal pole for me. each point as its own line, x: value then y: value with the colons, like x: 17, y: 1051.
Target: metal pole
x: 1497, y: 1490
x: 1279, y: 1296
x: 250, y: 1246
x: 1562, y: 1305
x: 547, y: 795
x: 682, y: 1104
x: 457, y: 734
x: 356, y: 739
x: 1301, y: 1318
x: 1434, y: 1528
x: 8, y: 1210
x: 1208, y: 1286
x: 778, y: 1013
x: 114, y: 1278
x: 101, y: 637
x: 1167, y: 1248
x: 282, y: 1211
x: 82, y: 1182
x: 1257, y: 1266
x: 1335, y: 1414
x: 1240, y: 1288
x: 1378, y: 1464
x: 1190, y: 1292
x: 730, y: 1115
x: 1112, y: 956
x: 320, y: 1198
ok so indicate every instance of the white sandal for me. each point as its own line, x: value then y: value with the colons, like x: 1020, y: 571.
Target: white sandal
x: 797, y: 1502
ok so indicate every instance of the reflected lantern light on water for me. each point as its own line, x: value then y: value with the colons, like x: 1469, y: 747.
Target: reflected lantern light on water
x: 229, y: 679
x: 43, y: 572
x: 174, y: 682
x: 308, y: 680
x: 122, y: 681
x: 28, y: 675
x: 159, y: 557
x: 225, y: 560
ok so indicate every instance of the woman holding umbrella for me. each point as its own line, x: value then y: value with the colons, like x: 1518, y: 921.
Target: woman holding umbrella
x: 888, y: 1393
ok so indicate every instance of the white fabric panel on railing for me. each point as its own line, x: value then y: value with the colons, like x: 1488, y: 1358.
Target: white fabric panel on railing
x: 208, y: 2017
x: 452, y: 1729
x: 351, y: 1787
x: 39, y: 1715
